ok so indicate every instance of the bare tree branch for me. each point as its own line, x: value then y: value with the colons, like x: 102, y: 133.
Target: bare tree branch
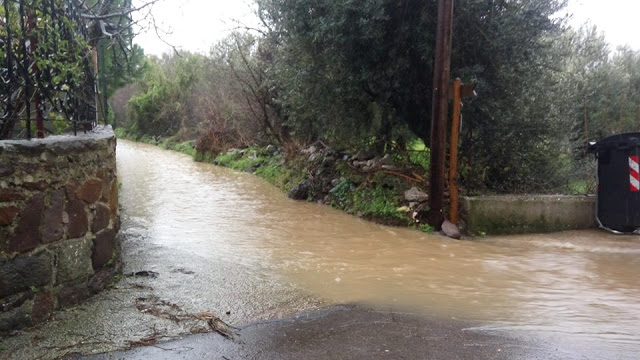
x: 126, y: 12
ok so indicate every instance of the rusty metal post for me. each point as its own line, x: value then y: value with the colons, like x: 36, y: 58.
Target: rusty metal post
x: 453, y: 153
x: 441, y: 73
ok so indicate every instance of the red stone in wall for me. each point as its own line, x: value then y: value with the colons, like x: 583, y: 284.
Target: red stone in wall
x: 27, y: 235
x: 103, y: 246
x: 78, y: 222
x: 90, y: 191
x: 101, y: 220
x: 52, y: 228
x: 7, y: 195
x: 8, y: 214
x: 42, y: 307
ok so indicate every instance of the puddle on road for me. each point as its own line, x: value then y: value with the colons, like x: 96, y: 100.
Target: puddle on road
x: 583, y: 285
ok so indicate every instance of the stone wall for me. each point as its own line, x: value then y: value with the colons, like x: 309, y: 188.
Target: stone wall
x: 510, y: 214
x: 58, y: 224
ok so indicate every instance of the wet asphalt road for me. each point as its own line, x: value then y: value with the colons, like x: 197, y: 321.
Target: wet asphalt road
x: 354, y: 332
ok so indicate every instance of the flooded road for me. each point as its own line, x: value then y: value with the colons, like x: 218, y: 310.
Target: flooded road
x: 574, y: 287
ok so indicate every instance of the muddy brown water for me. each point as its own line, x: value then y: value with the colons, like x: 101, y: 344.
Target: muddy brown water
x: 580, y: 287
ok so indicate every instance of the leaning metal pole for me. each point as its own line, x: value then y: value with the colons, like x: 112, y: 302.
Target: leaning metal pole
x: 441, y: 75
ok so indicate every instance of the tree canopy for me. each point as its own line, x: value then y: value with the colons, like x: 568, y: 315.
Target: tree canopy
x: 362, y: 69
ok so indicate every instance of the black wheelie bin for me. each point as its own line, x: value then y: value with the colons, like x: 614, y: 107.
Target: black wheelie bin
x: 618, y: 182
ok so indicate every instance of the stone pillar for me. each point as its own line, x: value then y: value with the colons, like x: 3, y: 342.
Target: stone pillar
x: 58, y: 223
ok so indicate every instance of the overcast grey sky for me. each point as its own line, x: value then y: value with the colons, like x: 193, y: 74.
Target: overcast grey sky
x: 617, y: 18
x: 198, y: 24
x: 195, y: 25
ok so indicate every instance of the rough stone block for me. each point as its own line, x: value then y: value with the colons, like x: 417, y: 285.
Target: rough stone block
x: 43, y: 306
x: 101, y: 219
x: 415, y: 195
x: 107, y: 182
x: 113, y: 198
x: 52, y: 227
x: 36, y: 185
x: 74, y: 261
x: 8, y: 214
x: 22, y: 273
x: 72, y: 295
x: 27, y: 234
x: 71, y: 188
x: 78, y: 221
x: 6, y: 170
x: 103, y: 246
x: 90, y: 191
x: 16, y: 318
x: 451, y: 230
x: 100, y: 280
x: 7, y: 195
x: 14, y: 301
x: 29, y: 168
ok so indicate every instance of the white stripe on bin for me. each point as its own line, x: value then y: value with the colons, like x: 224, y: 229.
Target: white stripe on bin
x: 634, y: 173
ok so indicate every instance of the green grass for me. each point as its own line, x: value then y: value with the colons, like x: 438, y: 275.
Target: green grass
x: 121, y: 133
x: 419, y: 153
x: 242, y: 162
x: 256, y: 160
x: 341, y: 196
x: 185, y: 148
x: 203, y: 157
x: 114, y: 280
x: 234, y: 161
x: 279, y: 175
x: 273, y: 172
x: 379, y: 203
x: 417, y: 145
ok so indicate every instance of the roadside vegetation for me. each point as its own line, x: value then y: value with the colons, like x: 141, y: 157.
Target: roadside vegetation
x: 330, y: 101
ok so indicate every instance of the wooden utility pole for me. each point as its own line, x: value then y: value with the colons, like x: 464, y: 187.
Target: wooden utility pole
x: 453, y: 153
x: 441, y: 74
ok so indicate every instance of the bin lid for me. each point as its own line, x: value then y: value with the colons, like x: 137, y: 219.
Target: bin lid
x: 621, y: 141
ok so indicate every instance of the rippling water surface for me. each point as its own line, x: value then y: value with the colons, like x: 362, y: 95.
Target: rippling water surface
x: 582, y: 285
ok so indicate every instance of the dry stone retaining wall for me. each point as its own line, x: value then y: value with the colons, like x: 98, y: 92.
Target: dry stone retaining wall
x: 58, y: 224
